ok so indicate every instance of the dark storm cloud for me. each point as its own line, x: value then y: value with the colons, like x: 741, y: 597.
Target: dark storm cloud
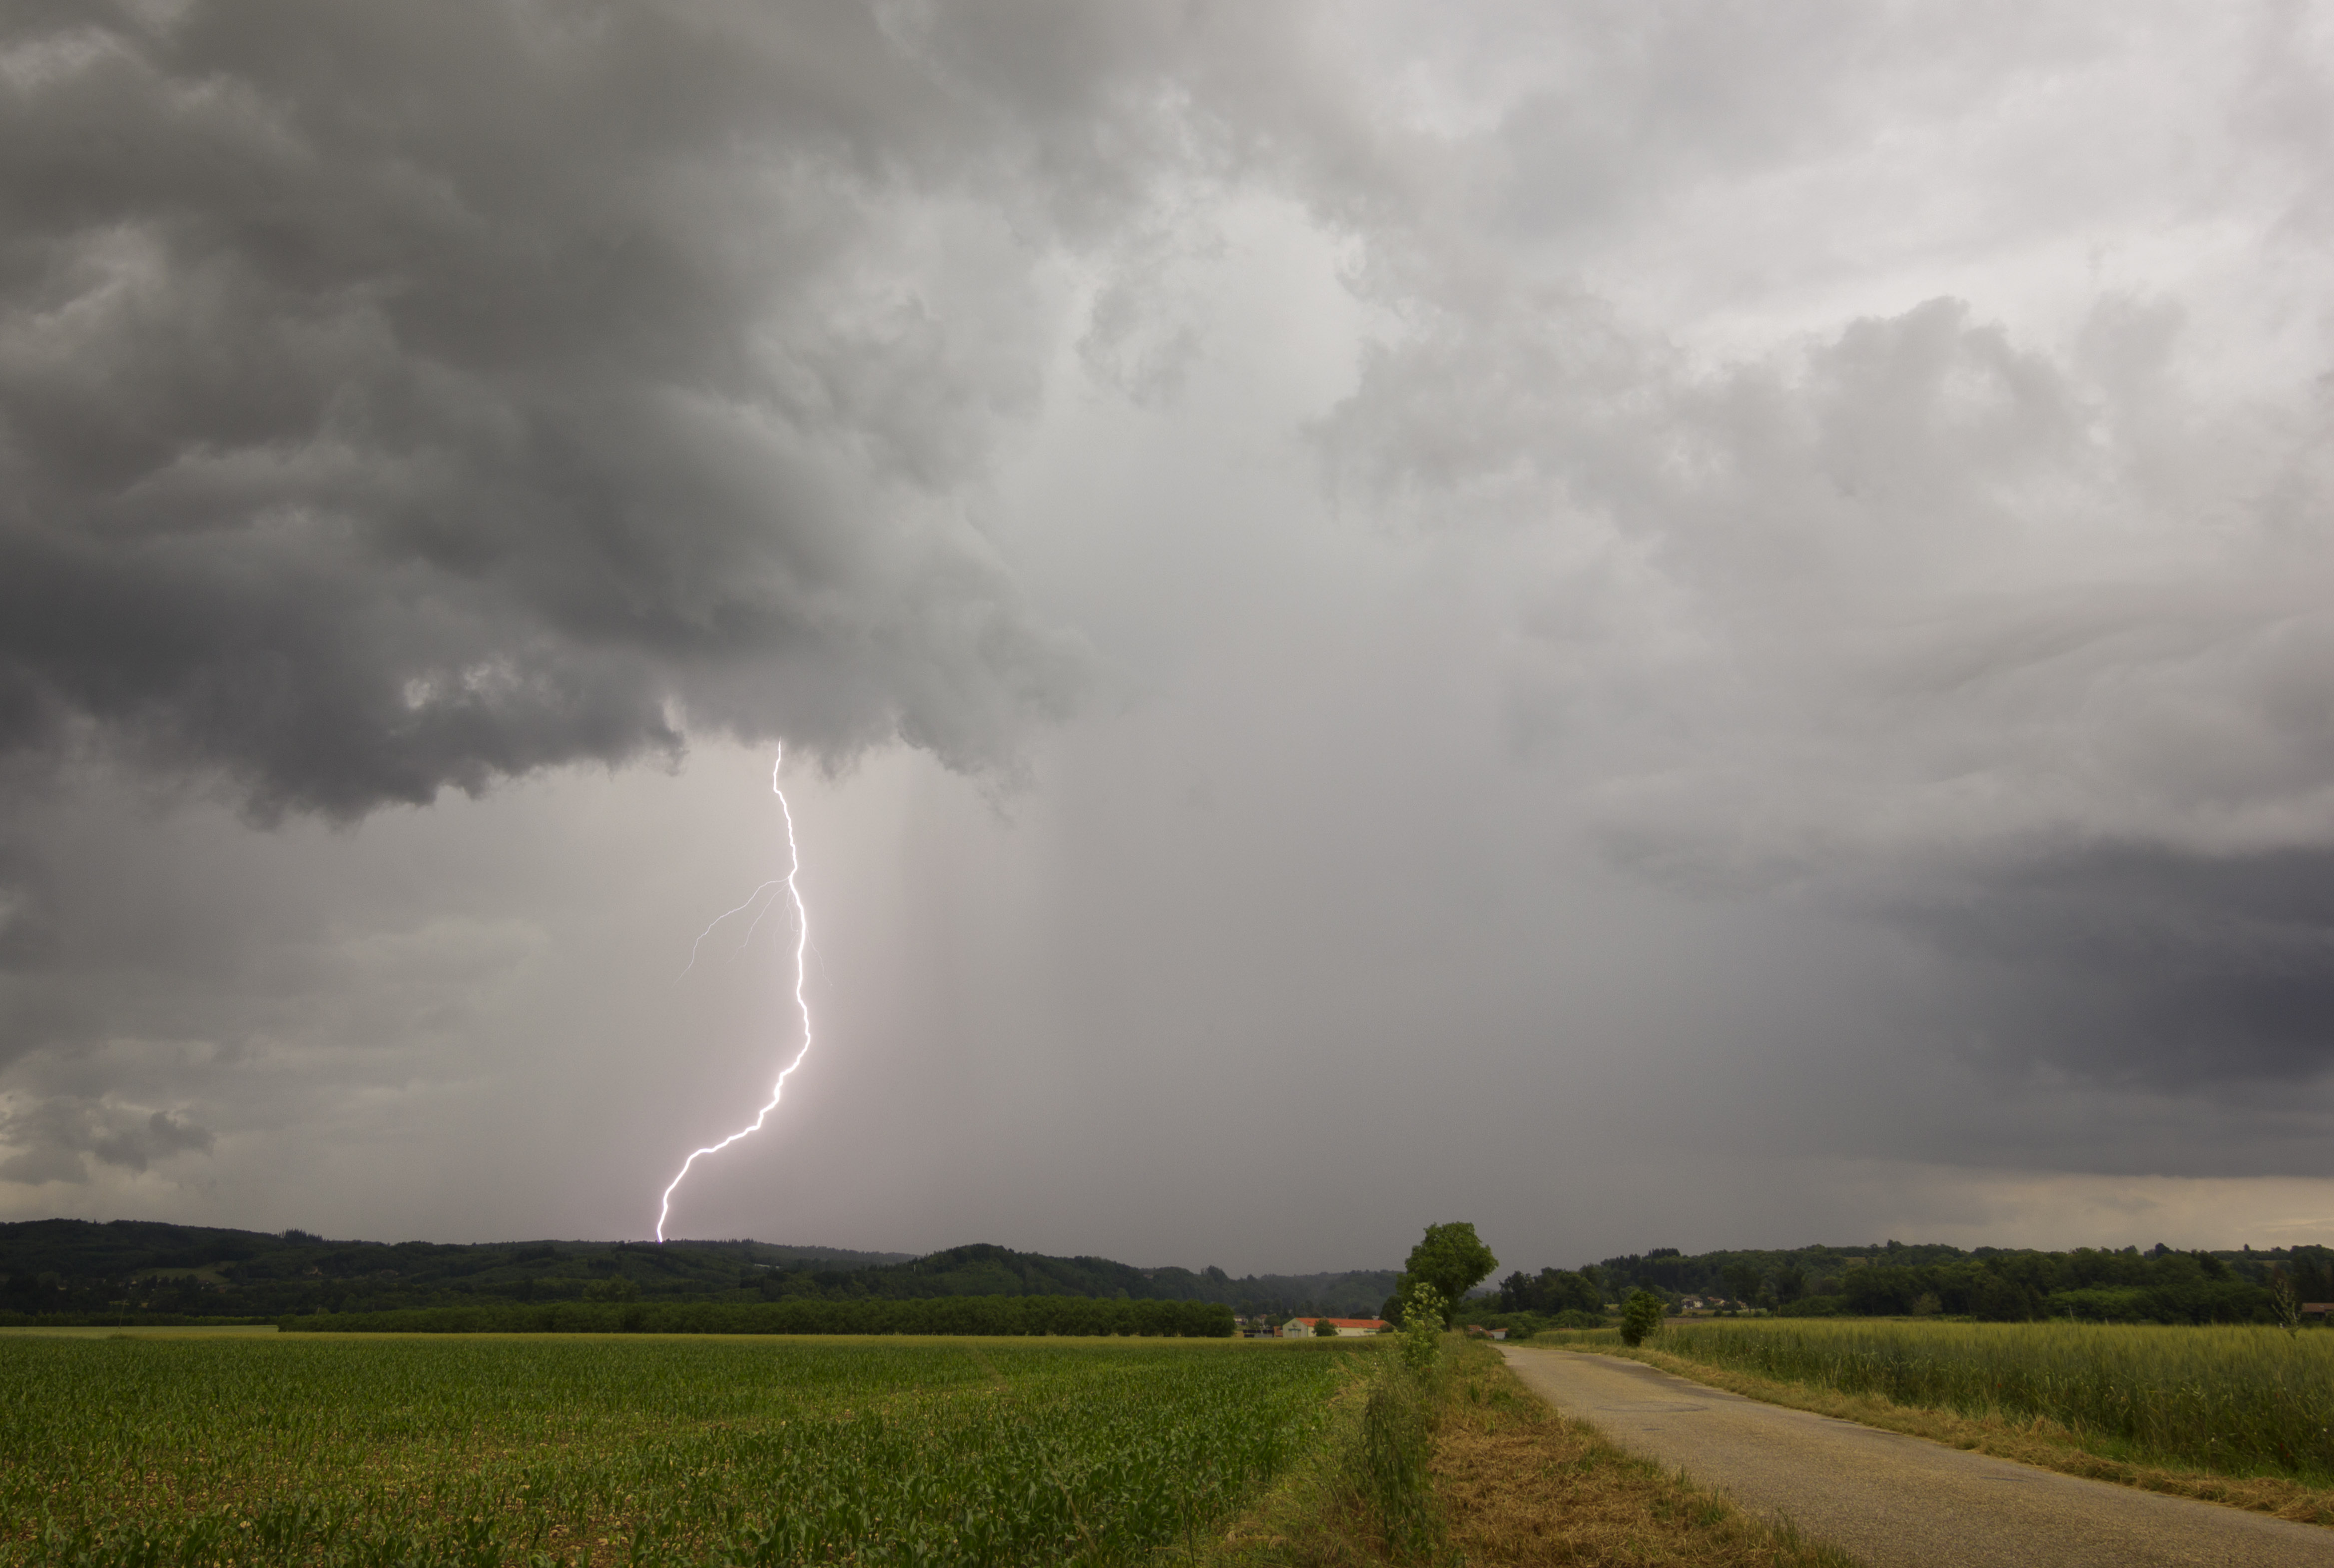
x: 2142, y: 964
x: 1813, y: 638
x: 402, y: 397
x: 1919, y: 618
x: 396, y: 398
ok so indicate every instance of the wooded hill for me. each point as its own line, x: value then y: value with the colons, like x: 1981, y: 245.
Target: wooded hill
x: 67, y: 1267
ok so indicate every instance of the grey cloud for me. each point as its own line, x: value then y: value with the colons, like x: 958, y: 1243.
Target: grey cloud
x: 53, y: 1139
x: 1632, y: 104
x: 1869, y: 461
x: 1913, y: 607
x: 2139, y: 964
x: 163, y: 1135
x: 28, y: 934
x: 392, y: 400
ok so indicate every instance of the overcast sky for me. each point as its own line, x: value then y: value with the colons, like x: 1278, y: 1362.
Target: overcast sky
x: 1648, y: 624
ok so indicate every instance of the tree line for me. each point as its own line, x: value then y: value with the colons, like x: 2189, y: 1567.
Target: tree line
x: 2093, y: 1285
x: 1012, y: 1315
x: 68, y: 1270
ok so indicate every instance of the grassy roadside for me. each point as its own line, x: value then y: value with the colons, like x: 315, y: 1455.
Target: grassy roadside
x: 1506, y: 1483
x: 2041, y: 1442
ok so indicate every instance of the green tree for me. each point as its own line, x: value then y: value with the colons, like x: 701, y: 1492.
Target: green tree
x: 1453, y: 1260
x: 1323, y: 1329
x: 1553, y: 1290
x: 1641, y: 1316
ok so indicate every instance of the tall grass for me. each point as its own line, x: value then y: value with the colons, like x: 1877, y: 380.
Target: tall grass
x: 1397, y: 1449
x: 2235, y: 1401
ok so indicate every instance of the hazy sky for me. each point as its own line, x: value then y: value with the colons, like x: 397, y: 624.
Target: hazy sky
x: 1648, y: 624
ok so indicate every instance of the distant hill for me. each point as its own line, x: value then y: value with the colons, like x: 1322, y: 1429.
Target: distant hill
x: 772, y: 1252
x: 81, y: 1267
x: 987, y: 1270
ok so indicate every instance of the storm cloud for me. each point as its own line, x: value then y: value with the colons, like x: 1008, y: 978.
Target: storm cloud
x: 1985, y: 637
x: 1754, y: 578
x: 392, y: 400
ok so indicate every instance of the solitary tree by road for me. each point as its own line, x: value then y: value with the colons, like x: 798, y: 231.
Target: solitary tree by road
x: 1452, y: 1259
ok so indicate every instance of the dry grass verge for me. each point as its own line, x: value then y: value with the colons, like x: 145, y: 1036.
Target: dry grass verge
x: 1524, y: 1485
x: 2041, y: 1442
x: 1518, y: 1485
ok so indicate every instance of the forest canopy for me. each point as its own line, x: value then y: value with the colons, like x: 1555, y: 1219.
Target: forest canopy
x: 2092, y: 1285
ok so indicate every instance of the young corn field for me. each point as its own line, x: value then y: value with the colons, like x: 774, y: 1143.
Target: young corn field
x: 2235, y: 1401
x: 142, y: 1453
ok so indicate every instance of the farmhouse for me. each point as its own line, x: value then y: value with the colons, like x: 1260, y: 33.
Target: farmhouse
x: 1349, y: 1328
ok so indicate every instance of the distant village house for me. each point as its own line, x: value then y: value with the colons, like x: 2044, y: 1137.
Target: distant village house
x: 1348, y: 1328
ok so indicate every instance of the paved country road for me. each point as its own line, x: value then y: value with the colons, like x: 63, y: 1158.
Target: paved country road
x: 1898, y: 1501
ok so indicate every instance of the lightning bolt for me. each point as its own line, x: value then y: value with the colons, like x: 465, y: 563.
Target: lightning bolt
x: 802, y: 946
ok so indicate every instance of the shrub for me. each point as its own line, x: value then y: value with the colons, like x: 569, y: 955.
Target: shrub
x: 1422, y: 1327
x: 1641, y: 1316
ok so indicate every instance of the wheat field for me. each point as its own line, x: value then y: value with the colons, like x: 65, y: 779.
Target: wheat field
x: 2234, y: 1400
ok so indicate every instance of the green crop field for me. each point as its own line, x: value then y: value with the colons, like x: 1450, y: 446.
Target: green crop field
x: 637, y: 1449
x: 2235, y: 1401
